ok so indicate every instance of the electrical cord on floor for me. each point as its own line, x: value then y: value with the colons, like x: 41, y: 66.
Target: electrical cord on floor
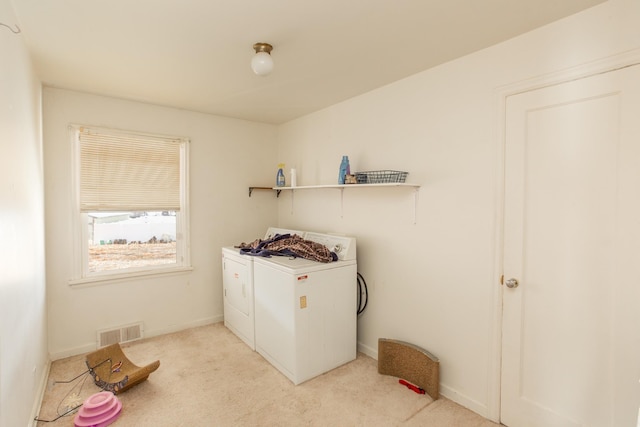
x: 66, y: 396
x: 362, y: 290
x: 40, y: 420
x: 81, y: 384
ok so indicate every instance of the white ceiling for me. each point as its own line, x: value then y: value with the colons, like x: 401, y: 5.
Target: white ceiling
x: 195, y: 54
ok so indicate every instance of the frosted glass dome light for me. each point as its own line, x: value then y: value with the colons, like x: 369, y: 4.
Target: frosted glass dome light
x: 262, y: 63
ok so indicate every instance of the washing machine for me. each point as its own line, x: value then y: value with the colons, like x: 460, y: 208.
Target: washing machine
x: 306, y: 311
x: 237, y: 284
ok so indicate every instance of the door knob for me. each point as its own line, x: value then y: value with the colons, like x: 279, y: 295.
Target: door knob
x: 512, y: 283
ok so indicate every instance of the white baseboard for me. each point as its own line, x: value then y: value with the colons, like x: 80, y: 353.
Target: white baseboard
x: 176, y: 328
x: 42, y: 388
x: 462, y: 400
x: 371, y: 352
x: 448, y: 392
x: 148, y: 334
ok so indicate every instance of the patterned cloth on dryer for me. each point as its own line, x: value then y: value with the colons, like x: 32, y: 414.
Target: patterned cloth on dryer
x: 288, y: 245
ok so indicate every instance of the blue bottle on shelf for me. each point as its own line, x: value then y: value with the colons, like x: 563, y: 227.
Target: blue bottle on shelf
x: 345, y: 169
x: 280, y: 181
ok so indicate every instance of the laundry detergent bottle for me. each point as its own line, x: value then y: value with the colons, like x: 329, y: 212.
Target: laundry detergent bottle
x: 280, y: 181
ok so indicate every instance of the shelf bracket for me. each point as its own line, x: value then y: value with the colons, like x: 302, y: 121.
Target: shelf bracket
x: 415, y: 205
x: 263, y: 188
x: 292, y: 194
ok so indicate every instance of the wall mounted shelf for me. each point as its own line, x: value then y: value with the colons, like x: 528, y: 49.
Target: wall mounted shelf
x: 335, y: 186
x: 342, y: 187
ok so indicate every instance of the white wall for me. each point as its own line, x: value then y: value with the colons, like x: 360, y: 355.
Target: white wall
x: 23, y: 339
x: 434, y: 283
x: 227, y: 156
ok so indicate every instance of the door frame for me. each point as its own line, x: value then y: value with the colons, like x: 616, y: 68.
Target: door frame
x: 501, y: 94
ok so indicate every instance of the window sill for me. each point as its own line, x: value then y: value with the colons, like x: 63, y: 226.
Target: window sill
x: 119, y: 277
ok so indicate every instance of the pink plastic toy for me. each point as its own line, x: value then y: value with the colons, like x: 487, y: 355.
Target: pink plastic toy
x: 99, y: 410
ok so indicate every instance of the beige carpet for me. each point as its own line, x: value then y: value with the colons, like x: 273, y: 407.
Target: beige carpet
x: 208, y: 377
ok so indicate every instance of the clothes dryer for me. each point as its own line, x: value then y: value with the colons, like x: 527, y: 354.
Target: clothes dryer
x: 305, y: 311
x: 237, y: 284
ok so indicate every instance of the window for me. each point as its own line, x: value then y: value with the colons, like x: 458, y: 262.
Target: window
x: 131, y: 203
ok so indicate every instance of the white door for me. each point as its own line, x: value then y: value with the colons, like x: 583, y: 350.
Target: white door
x: 571, y: 328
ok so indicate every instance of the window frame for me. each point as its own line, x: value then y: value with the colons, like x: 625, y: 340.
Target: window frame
x: 80, y: 231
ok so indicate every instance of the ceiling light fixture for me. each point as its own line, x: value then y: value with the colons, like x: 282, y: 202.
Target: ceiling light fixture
x: 262, y: 63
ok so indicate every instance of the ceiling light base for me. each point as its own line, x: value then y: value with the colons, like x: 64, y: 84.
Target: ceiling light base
x: 262, y: 63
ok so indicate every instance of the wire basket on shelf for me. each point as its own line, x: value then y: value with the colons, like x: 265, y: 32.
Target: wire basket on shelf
x: 380, y: 177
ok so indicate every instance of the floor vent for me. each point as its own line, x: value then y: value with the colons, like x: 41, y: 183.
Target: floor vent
x: 120, y: 335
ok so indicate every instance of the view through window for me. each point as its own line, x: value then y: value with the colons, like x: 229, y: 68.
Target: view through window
x: 123, y: 240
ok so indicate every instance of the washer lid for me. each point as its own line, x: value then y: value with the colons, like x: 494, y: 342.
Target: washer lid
x: 231, y: 250
x: 300, y: 265
x: 272, y: 231
x: 343, y: 246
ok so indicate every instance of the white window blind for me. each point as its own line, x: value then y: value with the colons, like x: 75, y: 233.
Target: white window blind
x: 128, y: 172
